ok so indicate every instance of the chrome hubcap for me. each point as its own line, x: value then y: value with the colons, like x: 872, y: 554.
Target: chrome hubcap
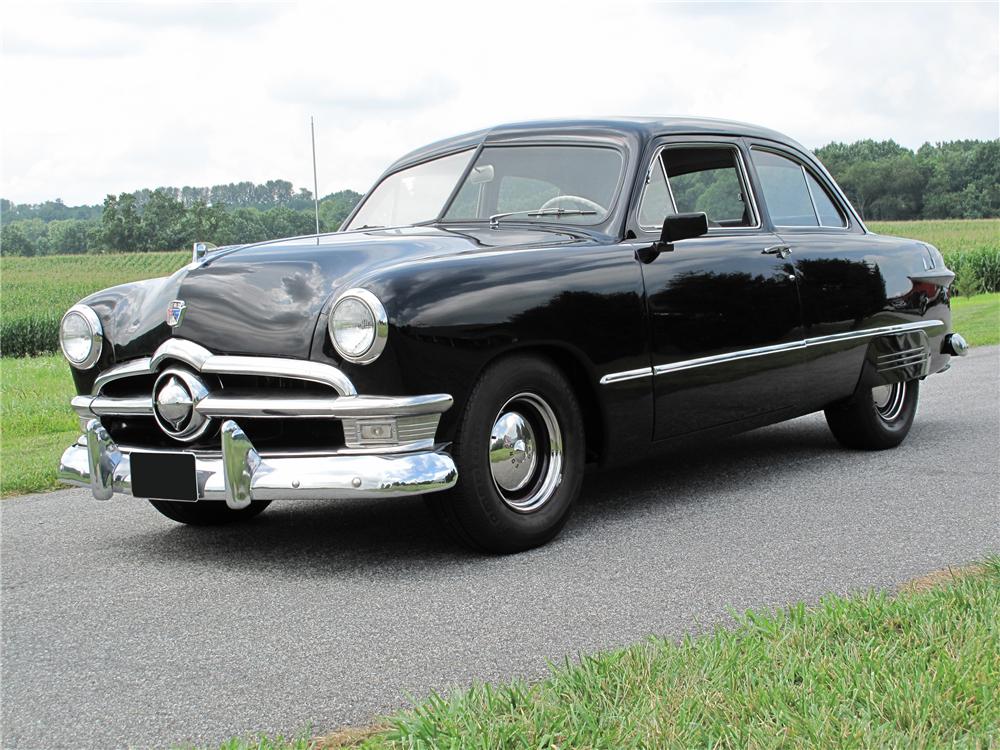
x: 525, y: 452
x: 513, y: 452
x: 889, y: 400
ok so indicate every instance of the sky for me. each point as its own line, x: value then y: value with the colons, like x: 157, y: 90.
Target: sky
x: 112, y: 97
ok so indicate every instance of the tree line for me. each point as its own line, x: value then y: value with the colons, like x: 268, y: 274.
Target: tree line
x: 884, y: 181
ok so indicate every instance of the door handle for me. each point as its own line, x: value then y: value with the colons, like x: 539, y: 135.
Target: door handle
x: 782, y: 251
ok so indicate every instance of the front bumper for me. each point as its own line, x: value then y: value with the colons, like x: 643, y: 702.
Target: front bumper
x: 239, y: 474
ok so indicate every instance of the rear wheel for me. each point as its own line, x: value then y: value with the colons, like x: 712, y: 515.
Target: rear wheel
x: 876, y: 420
x: 520, y: 453
x: 207, y: 512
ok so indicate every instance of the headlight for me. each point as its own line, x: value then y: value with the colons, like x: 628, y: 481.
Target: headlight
x: 358, y: 326
x: 81, y: 336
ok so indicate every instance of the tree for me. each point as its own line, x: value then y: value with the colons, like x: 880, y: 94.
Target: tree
x: 13, y: 240
x: 163, y: 222
x: 69, y: 236
x: 121, y: 226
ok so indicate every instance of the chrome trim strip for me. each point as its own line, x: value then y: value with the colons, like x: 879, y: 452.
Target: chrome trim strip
x: 203, y: 360
x: 125, y: 370
x: 620, y: 377
x: 277, y: 367
x: 259, y: 405
x: 716, y: 359
x: 617, y: 377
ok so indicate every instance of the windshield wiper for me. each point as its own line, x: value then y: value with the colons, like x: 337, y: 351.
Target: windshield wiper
x: 495, y: 218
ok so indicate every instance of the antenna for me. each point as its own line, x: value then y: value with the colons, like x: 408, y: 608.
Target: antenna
x: 312, y: 128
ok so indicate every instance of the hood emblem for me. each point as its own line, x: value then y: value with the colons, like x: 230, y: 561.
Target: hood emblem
x: 175, y: 312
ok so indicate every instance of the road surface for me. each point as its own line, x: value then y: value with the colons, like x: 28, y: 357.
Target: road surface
x: 123, y: 628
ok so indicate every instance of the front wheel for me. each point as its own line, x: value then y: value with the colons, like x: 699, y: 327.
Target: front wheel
x: 876, y: 420
x: 207, y: 512
x: 520, y: 453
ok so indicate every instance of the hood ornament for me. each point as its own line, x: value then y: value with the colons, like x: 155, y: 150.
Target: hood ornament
x: 175, y: 312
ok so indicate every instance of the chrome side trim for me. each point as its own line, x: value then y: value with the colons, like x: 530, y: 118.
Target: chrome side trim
x: 620, y: 377
x: 687, y: 364
x: 716, y: 359
x: 199, y: 358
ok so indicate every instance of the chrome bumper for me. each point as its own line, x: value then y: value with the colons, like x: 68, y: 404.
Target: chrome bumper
x: 240, y: 474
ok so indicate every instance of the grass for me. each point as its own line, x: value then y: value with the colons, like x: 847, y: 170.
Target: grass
x: 35, y: 417
x: 36, y: 422
x: 977, y: 318
x: 917, y: 669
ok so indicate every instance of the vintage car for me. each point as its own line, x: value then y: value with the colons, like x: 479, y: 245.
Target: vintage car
x: 501, y: 309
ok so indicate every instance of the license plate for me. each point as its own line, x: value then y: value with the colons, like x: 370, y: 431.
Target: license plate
x: 164, y: 476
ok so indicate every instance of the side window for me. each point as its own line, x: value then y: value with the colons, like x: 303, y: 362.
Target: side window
x: 697, y: 178
x: 794, y: 197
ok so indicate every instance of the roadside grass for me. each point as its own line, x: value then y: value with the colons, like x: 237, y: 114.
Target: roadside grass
x: 920, y: 668
x: 37, y: 424
x: 977, y: 318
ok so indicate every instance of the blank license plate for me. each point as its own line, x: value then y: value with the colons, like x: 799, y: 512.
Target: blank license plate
x: 164, y: 476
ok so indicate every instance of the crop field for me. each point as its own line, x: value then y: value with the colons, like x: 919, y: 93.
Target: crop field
x: 35, y: 292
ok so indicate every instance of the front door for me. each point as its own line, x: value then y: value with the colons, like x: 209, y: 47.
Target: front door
x: 724, y: 310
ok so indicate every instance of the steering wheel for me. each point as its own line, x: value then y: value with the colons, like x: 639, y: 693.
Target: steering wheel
x: 585, y: 203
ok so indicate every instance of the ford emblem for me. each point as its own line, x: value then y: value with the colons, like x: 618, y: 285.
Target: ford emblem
x: 175, y: 312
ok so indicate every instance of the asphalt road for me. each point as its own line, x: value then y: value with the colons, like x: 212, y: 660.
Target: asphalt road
x: 123, y: 628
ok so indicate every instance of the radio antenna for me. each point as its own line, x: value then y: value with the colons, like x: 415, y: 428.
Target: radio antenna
x: 312, y: 128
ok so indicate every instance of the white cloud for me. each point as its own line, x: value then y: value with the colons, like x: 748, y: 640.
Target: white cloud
x: 112, y: 97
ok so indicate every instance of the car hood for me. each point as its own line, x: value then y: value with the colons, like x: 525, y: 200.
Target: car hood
x: 265, y: 299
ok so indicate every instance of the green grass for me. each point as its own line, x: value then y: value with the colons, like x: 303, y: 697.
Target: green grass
x: 36, y: 422
x: 977, y: 318
x: 35, y: 292
x: 919, y: 669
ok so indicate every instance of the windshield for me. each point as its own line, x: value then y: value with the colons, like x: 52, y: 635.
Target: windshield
x: 565, y: 184
x: 412, y: 195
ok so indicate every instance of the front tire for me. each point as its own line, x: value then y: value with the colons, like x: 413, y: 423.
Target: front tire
x: 207, y: 512
x: 520, y: 454
x: 875, y: 420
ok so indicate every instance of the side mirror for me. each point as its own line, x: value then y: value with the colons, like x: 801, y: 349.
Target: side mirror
x: 683, y: 227
x: 675, y: 227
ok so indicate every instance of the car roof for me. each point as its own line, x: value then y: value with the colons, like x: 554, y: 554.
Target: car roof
x: 637, y: 128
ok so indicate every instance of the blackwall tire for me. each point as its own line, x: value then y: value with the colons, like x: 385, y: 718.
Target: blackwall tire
x: 520, y: 453
x: 876, y: 420
x: 207, y: 512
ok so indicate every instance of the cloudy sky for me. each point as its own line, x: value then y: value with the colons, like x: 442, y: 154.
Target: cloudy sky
x: 104, y: 98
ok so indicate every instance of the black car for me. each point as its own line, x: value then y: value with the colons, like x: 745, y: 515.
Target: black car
x: 501, y: 309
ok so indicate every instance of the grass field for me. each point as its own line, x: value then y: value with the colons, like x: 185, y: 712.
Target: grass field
x: 919, y: 669
x: 947, y: 235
